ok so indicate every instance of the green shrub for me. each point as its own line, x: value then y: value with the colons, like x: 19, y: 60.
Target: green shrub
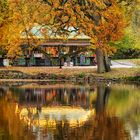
x: 125, y: 48
x: 53, y: 76
x: 81, y: 75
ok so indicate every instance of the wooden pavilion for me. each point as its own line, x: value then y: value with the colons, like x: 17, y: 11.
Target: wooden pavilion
x: 58, y: 51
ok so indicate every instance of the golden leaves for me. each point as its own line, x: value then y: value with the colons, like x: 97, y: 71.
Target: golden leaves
x: 95, y: 20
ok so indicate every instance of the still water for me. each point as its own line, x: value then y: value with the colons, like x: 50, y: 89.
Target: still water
x: 69, y: 112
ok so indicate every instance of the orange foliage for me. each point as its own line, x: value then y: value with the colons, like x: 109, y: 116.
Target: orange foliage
x: 102, y: 20
x: 95, y: 18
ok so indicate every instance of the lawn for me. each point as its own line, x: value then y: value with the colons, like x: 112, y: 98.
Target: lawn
x: 66, y: 73
x: 115, y: 73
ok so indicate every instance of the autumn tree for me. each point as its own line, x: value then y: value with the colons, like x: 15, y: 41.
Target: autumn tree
x: 131, y: 9
x: 26, y: 15
x: 8, y: 30
x: 30, y: 18
x: 4, y: 21
x: 4, y: 18
x: 101, y: 20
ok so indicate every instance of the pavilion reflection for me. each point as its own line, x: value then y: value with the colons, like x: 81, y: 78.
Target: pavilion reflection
x: 45, y: 107
x: 58, y: 97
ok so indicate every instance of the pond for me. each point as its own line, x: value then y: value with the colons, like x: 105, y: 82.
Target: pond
x: 44, y: 111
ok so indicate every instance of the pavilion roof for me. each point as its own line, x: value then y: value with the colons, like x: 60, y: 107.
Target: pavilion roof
x: 66, y: 43
x: 37, y: 31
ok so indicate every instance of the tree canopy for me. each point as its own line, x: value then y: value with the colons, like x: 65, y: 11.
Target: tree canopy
x: 102, y: 20
x: 4, y: 21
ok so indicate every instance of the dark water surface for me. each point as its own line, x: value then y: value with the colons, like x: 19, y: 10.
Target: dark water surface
x: 69, y: 112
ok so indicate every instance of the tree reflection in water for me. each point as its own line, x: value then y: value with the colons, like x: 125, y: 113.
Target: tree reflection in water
x: 11, y: 128
x: 102, y: 126
x: 59, y: 103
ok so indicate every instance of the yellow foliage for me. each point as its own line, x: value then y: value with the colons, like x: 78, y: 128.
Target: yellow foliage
x: 100, y: 22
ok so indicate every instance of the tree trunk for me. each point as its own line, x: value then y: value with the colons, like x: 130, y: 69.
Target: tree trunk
x: 59, y: 55
x: 102, y: 62
x: 107, y: 64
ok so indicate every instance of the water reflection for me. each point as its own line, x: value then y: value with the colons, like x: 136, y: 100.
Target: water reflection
x: 69, y: 112
x: 45, y: 107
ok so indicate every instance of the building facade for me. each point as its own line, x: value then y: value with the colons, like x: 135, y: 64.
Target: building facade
x: 56, y: 51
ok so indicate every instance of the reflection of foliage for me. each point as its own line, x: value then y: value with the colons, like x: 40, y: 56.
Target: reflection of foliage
x: 109, y: 127
x: 121, y: 97
x: 124, y: 100
x: 10, y: 124
x: 103, y: 126
x: 135, y: 78
x: 126, y: 103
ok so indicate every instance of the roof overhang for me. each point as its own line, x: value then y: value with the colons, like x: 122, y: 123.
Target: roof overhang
x: 56, y: 44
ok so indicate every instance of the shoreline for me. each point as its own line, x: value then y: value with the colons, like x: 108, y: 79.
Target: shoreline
x: 68, y: 75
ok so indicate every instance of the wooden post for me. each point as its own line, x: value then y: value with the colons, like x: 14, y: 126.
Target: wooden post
x: 59, y: 56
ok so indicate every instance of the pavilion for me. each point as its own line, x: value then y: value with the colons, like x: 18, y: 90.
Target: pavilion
x: 57, y: 50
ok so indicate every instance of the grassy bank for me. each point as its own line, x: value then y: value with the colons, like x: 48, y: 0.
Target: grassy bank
x: 72, y: 74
